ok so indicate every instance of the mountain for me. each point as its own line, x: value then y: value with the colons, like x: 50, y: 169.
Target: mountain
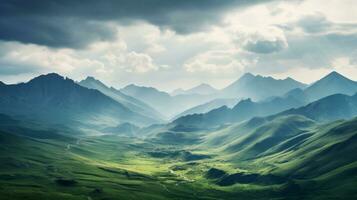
x: 203, y: 89
x: 53, y: 98
x: 206, y: 107
x: 128, y: 101
x: 167, y: 105
x: 343, y: 106
x: 243, y: 110
x: 332, y: 83
x: 259, y: 87
x: 159, y: 100
x: 330, y: 108
x: 288, y: 148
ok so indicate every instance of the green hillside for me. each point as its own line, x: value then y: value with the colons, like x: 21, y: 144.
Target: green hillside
x: 286, y: 157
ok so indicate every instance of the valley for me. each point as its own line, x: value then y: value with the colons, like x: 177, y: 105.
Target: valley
x: 223, y: 164
x: 118, y: 147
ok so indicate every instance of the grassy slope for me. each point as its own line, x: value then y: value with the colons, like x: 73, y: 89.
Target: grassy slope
x: 314, y: 157
x: 106, y: 167
x: 316, y: 161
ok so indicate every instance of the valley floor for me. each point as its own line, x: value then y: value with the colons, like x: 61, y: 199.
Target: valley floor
x: 114, y: 167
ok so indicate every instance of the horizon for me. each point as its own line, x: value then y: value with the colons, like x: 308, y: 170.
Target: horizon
x: 171, y: 91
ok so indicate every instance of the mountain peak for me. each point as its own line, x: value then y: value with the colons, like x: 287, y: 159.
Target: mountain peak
x: 90, y: 82
x: 334, y: 74
x: 332, y: 83
x: 51, y: 77
x: 332, y: 77
x: 140, y: 88
x: 247, y: 75
x: 204, y: 86
x: 202, y: 89
x: 90, y: 78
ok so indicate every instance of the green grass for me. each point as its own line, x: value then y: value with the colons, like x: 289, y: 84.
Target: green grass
x: 315, y: 161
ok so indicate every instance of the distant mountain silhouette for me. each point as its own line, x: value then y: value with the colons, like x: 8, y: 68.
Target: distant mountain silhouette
x: 56, y: 99
x: 126, y: 129
x: 206, y: 107
x: 332, y: 83
x: 244, y: 110
x: 130, y: 102
x: 203, y: 89
x: 334, y: 107
x: 259, y: 87
x: 166, y: 104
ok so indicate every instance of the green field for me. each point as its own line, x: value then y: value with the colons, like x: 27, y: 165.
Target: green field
x: 295, y: 158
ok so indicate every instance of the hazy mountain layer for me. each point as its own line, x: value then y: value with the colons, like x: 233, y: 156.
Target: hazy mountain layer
x: 128, y: 101
x: 206, y: 107
x: 259, y: 87
x: 203, y: 89
x: 166, y: 104
x: 333, y: 83
x: 244, y: 110
x: 343, y: 106
x: 330, y: 108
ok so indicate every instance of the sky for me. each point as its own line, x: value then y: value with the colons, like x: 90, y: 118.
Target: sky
x: 171, y: 44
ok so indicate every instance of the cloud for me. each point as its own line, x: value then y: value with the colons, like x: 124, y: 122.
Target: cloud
x: 54, y: 31
x: 99, y: 58
x: 215, y: 62
x: 75, y: 24
x: 314, y: 23
x: 263, y: 41
x: 139, y: 62
x: 178, y: 43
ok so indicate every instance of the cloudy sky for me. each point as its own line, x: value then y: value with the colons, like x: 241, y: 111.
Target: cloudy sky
x: 171, y: 44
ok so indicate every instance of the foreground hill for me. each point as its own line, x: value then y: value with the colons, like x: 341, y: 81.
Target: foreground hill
x: 55, y: 99
x: 291, y: 149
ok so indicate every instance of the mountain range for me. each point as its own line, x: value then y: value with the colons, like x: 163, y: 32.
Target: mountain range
x: 206, y: 107
x: 295, y: 98
x: 61, y: 139
x: 203, y: 89
x: 130, y: 102
x: 56, y: 99
x: 201, y: 98
x: 166, y: 104
x: 259, y: 87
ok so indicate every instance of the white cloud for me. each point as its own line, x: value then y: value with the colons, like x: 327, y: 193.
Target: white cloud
x: 103, y: 59
x: 265, y: 41
x: 215, y: 62
x: 139, y: 62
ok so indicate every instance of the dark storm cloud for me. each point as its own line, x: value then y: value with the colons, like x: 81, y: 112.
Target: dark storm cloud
x: 75, y: 24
